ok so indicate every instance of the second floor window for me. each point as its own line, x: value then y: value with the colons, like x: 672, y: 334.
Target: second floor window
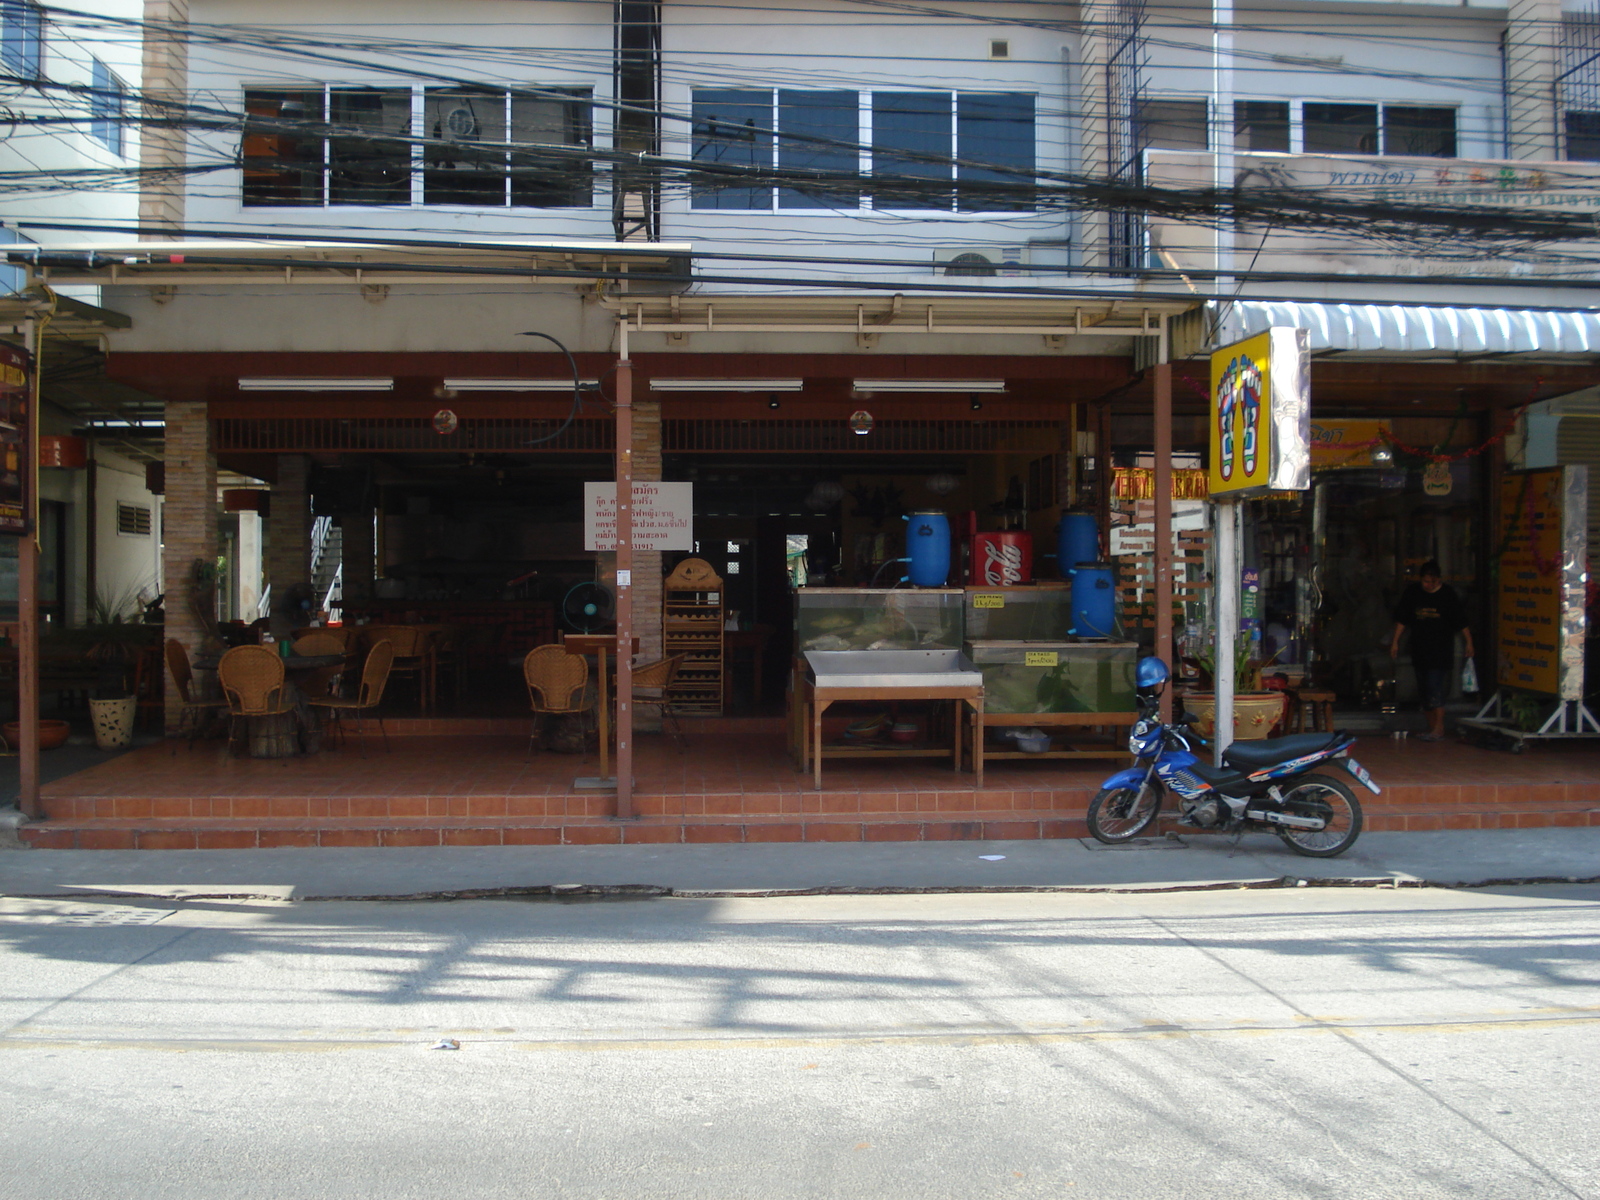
x: 22, y: 38
x: 1275, y: 125
x: 927, y: 150
x: 106, y: 107
x: 474, y: 147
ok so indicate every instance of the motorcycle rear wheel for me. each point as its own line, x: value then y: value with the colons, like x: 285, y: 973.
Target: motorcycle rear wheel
x: 1325, y: 797
x: 1118, y: 814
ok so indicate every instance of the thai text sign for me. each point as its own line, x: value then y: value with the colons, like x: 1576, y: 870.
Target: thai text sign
x: 663, y: 516
x: 1261, y: 415
x: 15, y: 400
x: 1343, y: 443
x: 1543, y: 536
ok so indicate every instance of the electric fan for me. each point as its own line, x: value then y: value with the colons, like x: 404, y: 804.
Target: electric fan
x: 588, y: 606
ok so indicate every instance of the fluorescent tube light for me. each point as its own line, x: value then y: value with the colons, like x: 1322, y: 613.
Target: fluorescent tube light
x: 518, y: 385
x: 315, y: 383
x: 727, y: 385
x: 929, y: 385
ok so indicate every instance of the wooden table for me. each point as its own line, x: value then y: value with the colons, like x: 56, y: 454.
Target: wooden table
x: 274, y: 736
x: 598, y: 644
x: 752, y: 640
x: 1049, y: 722
x: 816, y: 701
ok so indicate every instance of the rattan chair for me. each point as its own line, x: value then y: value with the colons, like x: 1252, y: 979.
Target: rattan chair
x: 374, y: 675
x: 556, y: 682
x: 319, y: 683
x: 651, y: 682
x: 191, y: 712
x: 410, y: 646
x: 253, y: 683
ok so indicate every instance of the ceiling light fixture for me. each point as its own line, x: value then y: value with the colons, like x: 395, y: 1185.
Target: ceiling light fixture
x: 314, y: 383
x: 929, y: 385
x: 727, y: 385
x: 519, y: 385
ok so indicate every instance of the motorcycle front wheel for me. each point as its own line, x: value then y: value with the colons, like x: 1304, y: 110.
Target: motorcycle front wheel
x: 1327, y: 798
x: 1117, y: 814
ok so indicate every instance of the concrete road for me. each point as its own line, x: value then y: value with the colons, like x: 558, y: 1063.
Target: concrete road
x: 1309, y: 1042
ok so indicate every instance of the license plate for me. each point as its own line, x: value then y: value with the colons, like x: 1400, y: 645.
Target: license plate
x: 1360, y: 773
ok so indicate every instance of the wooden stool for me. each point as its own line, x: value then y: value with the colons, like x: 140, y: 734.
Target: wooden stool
x: 1320, y: 705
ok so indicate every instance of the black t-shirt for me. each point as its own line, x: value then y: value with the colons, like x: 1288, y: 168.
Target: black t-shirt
x: 1434, y: 619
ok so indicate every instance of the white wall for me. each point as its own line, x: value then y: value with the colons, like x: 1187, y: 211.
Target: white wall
x: 125, y: 563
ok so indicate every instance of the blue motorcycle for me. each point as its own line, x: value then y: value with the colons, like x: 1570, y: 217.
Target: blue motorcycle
x: 1271, y: 785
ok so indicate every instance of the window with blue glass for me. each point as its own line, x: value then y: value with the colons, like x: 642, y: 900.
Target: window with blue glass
x: 732, y: 131
x: 992, y: 134
x: 22, y: 38
x: 106, y: 105
x: 818, y: 133
x: 994, y: 146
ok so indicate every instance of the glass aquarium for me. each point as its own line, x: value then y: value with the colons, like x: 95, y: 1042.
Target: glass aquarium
x: 878, y: 619
x: 1056, y: 677
x: 1041, y: 613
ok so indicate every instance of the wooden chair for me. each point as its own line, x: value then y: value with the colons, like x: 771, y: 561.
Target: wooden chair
x: 149, y: 687
x: 320, y: 682
x: 253, y: 683
x: 410, y: 646
x: 374, y: 675
x: 556, y: 681
x: 650, y: 684
x: 192, y: 712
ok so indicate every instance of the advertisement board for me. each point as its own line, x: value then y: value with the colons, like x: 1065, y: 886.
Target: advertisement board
x: 1543, y: 560
x: 663, y: 516
x: 1261, y: 415
x: 16, y: 397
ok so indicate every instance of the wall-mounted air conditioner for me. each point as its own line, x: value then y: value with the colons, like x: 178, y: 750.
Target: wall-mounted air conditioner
x: 980, y: 261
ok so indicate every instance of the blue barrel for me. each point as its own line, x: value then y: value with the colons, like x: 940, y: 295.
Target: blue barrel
x: 1094, y: 609
x: 928, y: 548
x: 1077, y: 541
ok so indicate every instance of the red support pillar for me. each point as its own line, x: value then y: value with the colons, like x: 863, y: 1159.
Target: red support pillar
x: 624, y: 455
x: 28, y: 595
x: 1162, y: 375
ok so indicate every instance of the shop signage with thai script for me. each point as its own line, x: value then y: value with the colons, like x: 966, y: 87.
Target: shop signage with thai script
x: 1336, y: 444
x: 16, y: 397
x: 1261, y: 415
x: 1544, y: 549
x: 663, y: 516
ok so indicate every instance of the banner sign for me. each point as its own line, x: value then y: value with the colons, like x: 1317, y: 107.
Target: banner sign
x: 16, y: 396
x: 1543, y: 560
x: 1337, y: 444
x: 663, y: 516
x: 1261, y: 415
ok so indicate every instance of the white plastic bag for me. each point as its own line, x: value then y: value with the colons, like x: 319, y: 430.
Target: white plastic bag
x: 1469, y: 677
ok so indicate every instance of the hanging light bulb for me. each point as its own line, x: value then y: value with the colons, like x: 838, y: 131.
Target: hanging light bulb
x: 1383, y: 455
x: 828, y: 492
x: 942, y: 484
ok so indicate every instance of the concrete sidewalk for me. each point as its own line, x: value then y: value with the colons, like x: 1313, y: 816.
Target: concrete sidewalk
x: 1190, y: 862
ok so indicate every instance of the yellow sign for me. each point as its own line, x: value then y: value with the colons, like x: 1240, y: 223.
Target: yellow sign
x: 988, y: 600
x: 1241, y: 441
x: 1040, y: 658
x: 1531, y: 581
x: 1337, y: 444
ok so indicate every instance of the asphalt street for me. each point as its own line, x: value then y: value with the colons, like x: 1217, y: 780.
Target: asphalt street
x: 1299, y: 1042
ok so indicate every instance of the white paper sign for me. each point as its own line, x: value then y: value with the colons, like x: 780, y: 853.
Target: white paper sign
x: 663, y: 516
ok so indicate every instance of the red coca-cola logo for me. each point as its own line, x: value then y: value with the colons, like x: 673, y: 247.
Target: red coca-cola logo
x: 1002, y: 563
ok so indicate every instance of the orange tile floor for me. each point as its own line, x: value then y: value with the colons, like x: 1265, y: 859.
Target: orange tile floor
x: 478, y: 788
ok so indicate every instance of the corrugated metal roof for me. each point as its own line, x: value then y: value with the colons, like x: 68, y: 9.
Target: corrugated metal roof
x: 1386, y: 328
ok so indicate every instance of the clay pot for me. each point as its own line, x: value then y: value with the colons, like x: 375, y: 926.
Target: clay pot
x: 1254, y: 713
x: 51, y: 733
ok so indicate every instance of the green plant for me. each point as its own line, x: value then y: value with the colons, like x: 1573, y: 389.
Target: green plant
x: 1247, y: 669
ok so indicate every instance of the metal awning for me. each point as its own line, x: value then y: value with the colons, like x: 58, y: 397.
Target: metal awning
x: 69, y: 319
x: 1383, y: 329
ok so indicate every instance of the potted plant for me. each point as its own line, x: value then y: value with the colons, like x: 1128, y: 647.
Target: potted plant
x: 114, y: 640
x: 1256, y: 712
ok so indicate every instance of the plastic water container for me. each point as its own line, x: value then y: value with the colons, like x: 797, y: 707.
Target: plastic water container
x: 1077, y: 541
x: 1094, y: 609
x: 928, y: 548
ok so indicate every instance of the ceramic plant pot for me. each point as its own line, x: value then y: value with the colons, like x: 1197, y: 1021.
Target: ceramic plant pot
x: 1254, y: 713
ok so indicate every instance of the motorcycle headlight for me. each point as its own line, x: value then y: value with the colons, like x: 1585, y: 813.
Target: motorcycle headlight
x: 1137, y: 736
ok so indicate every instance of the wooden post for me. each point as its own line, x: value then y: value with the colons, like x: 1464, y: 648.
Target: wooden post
x: 1163, y: 522
x: 624, y: 455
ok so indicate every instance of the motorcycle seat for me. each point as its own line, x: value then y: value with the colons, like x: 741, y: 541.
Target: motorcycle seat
x: 1253, y: 756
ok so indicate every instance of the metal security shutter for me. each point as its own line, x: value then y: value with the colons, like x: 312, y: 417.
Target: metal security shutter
x: 1578, y: 443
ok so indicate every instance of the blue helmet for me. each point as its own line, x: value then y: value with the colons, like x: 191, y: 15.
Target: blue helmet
x: 1151, y: 672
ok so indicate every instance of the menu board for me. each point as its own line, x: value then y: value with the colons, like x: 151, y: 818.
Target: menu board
x: 1543, y: 540
x: 15, y: 398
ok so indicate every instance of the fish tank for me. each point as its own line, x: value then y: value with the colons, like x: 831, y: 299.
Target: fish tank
x: 1042, y: 613
x: 1056, y: 677
x: 878, y: 619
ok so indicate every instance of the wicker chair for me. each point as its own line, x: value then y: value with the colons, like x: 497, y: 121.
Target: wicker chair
x: 191, y: 713
x: 319, y: 683
x: 374, y: 675
x: 650, y: 684
x: 410, y: 646
x: 556, y: 681
x: 252, y: 680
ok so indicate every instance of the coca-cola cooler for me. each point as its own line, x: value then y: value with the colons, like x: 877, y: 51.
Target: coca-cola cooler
x: 1001, y: 559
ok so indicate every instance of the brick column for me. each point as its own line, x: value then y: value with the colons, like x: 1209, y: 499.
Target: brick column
x: 164, y: 149
x: 288, y: 554
x: 355, y: 529
x: 188, y: 522
x: 647, y: 563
